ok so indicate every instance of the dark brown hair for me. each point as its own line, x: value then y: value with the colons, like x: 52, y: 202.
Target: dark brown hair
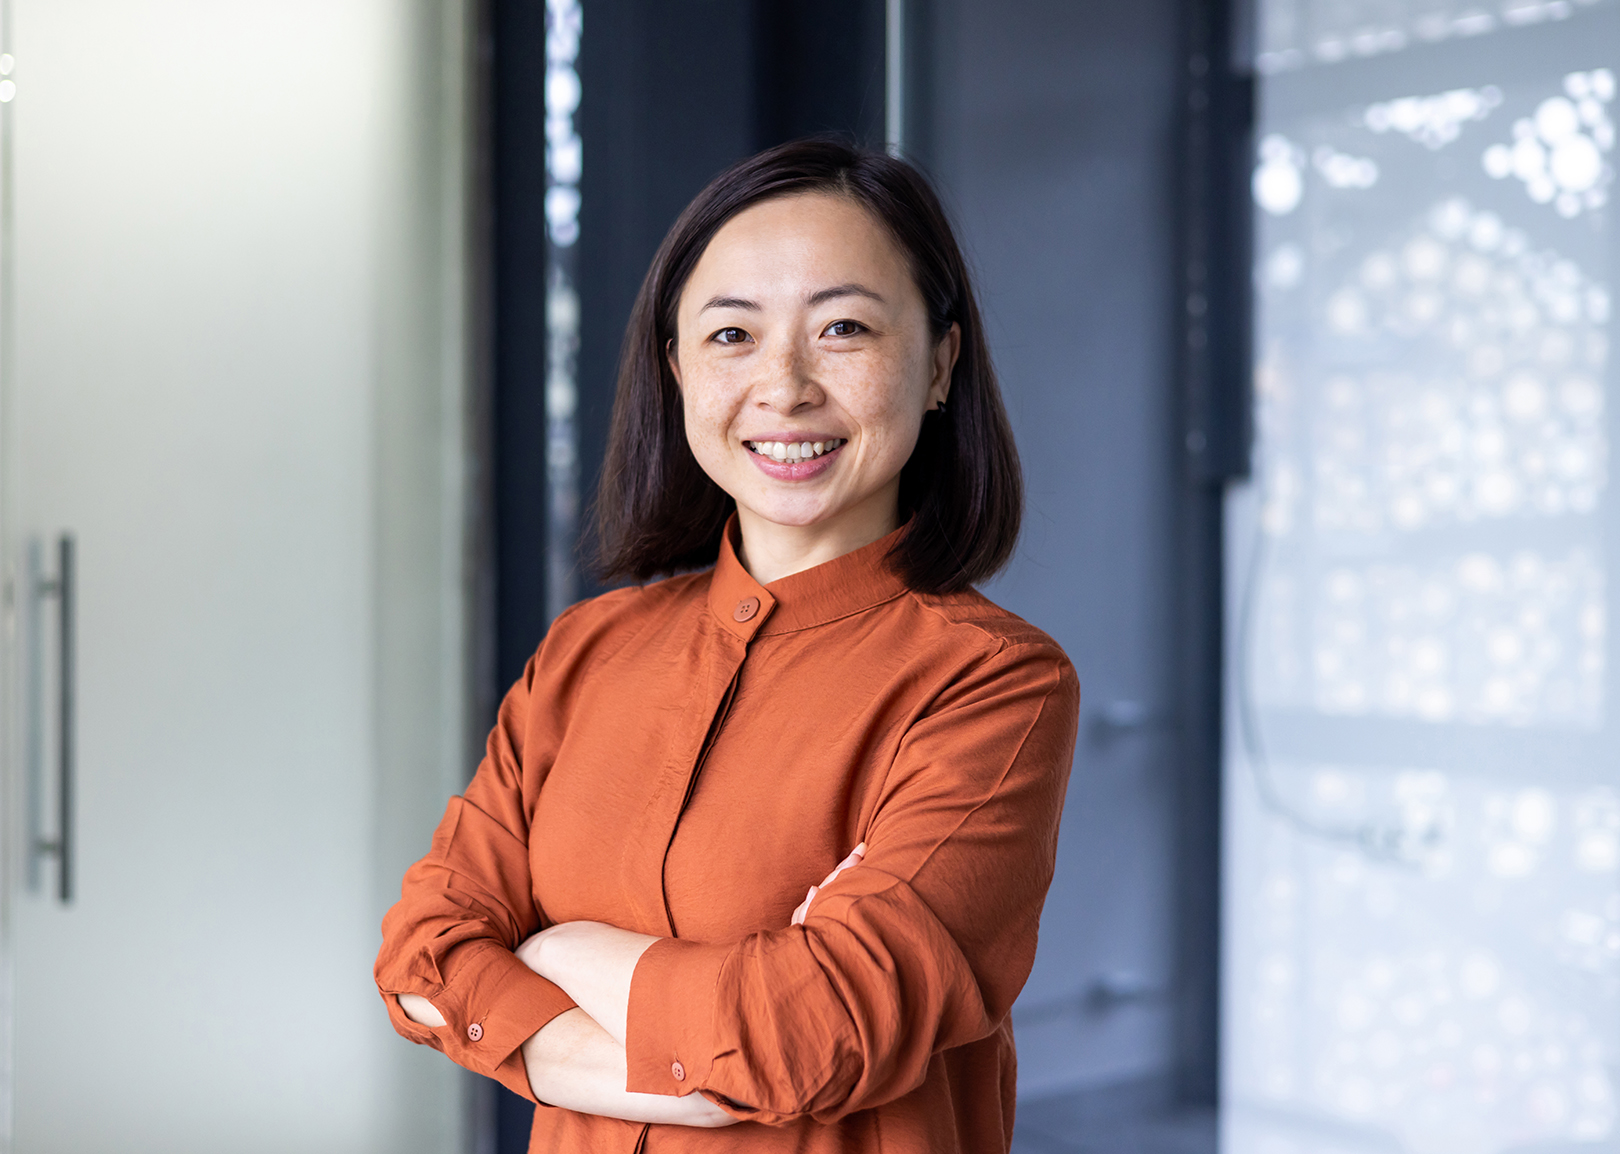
x: 658, y: 512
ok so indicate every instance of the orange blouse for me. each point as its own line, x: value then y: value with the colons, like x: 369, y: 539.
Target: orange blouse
x: 685, y: 759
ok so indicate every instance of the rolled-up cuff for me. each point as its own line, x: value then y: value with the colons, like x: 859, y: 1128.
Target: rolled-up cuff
x: 491, y: 1007
x: 669, y: 1031
x: 509, y: 1003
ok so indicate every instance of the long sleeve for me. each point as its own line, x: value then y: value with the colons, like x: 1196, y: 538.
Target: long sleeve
x: 467, y: 904
x: 920, y: 948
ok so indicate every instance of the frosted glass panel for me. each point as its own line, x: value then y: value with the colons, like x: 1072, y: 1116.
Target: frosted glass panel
x: 1423, y: 782
x: 1299, y: 33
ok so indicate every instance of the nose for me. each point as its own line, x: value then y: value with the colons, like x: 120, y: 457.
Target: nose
x: 787, y: 382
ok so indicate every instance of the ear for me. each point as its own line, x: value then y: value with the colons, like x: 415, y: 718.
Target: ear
x: 945, y: 354
x: 674, y: 363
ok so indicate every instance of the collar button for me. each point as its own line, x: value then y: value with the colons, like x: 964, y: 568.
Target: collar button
x: 746, y: 608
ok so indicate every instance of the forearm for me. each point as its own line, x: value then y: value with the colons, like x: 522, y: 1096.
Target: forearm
x: 593, y: 963
x: 575, y: 1064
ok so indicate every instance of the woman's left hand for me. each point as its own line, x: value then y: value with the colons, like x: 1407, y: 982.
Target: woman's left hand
x: 854, y: 859
x: 593, y: 963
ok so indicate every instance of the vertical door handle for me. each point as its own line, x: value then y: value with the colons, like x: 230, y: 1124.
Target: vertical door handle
x: 62, y: 846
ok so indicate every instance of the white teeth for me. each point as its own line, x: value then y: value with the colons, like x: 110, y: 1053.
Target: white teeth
x: 793, y: 450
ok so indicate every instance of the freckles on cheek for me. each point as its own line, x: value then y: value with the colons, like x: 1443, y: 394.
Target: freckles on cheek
x: 898, y: 378
x: 707, y: 429
x: 701, y: 411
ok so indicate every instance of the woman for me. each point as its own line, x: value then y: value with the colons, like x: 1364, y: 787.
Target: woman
x: 807, y: 414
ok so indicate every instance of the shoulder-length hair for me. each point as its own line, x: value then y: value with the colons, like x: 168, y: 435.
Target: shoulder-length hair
x: 658, y: 512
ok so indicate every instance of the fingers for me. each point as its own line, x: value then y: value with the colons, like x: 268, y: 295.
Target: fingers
x: 804, y: 907
x: 421, y: 1011
x: 854, y: 859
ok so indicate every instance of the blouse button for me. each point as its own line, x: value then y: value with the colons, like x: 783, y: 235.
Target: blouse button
x: 746, y: 608
x: 677, y: 1071
x: 475, y: 1031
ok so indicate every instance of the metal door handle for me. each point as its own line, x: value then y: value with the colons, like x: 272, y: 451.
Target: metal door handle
x: 62, y: 846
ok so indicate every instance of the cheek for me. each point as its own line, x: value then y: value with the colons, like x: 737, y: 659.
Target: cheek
x: 708, y: 410
x: 698, y: 399
x: 885, y: 395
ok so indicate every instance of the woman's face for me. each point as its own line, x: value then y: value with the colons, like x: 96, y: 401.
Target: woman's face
x: 805, y: 364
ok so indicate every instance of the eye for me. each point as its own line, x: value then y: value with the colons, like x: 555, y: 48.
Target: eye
x: 730, y: 337
x: 844, y: 329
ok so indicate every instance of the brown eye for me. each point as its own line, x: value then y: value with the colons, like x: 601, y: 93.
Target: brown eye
x: 730, y: 336
x: 844, y: 328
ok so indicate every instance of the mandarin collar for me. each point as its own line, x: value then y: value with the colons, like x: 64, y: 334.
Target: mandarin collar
x: 838, y: 588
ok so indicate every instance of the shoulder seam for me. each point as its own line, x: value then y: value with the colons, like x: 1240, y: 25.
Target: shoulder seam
x: 1002, y: 641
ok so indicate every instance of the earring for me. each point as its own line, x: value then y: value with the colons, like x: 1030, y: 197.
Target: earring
x: 940, y: 408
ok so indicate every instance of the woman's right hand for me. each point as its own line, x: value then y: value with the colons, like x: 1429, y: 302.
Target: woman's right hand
x: 854, y: 859
x: 421, y: 1011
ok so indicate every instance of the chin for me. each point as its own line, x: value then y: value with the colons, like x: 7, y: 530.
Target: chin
x: 792, y: 519
x: 795, y: 514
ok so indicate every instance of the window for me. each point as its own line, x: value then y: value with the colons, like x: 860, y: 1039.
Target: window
x: 1422, y: 892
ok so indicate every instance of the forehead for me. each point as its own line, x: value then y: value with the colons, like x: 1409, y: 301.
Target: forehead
x: 797, y: 244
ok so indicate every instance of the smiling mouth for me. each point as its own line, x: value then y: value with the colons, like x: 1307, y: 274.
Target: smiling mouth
x: 786, y: 452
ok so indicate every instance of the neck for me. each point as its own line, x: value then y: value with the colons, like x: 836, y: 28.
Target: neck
x: 770, y: 551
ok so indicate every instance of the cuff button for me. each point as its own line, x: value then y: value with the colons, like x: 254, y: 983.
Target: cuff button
x: 677, y: 1071
x: 475, y: 1031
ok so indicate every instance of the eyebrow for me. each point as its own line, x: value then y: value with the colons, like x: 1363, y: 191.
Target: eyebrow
x: 843, y: 290
x: 821, y: 296
x: 730, y: 303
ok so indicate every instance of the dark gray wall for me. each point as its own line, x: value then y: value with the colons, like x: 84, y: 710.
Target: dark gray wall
x: 1053, y: 130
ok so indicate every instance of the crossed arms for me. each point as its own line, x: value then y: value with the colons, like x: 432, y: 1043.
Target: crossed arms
x: 577, y: 1060
x: 919, y: 950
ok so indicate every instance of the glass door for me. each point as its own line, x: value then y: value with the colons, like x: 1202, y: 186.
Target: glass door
x: 231, y: 387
